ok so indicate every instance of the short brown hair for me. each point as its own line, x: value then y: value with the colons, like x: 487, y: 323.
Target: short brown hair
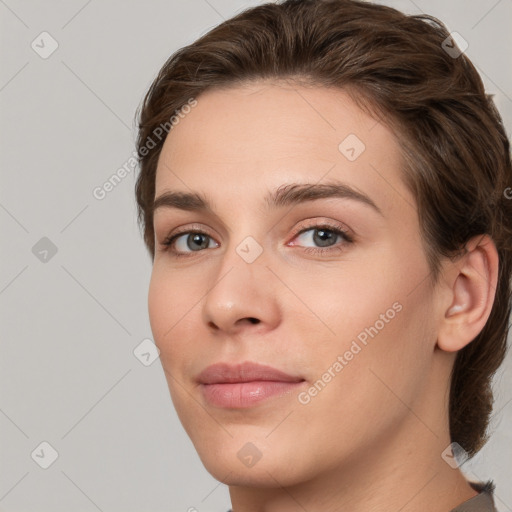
x: 456, y: 153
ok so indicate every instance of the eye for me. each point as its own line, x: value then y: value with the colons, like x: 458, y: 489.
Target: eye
x: 328, y: 237
x: 325, y: 236
x: 193, y: 240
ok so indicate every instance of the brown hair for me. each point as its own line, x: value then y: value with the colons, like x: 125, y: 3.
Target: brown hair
x: 398, y: 68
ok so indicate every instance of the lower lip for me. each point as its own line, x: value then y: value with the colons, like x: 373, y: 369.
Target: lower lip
x: 238, y: 395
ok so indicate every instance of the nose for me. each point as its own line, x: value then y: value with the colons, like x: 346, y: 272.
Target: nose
x: 242, y: 295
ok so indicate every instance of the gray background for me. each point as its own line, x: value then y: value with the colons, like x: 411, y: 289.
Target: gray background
x: 70, y: 323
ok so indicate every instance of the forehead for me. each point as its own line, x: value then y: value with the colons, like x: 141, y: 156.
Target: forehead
x: 271, y: 133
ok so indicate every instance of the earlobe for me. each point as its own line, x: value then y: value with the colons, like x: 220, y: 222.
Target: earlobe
x: 472, y: 293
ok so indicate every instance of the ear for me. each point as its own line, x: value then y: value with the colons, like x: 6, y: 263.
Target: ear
x: 473, y: 284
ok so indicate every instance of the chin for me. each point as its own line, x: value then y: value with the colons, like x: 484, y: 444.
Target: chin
x: 247, y: 460
x: 262, y: 474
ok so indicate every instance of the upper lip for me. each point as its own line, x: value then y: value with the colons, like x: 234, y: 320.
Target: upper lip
x: 243, y: 372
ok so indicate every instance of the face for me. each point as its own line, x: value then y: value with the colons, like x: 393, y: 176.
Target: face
x: 327, y: 285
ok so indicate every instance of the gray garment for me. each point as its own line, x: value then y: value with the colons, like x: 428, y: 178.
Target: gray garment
x: 483, y: 502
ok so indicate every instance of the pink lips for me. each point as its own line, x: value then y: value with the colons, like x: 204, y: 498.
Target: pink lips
x: 244, y: 385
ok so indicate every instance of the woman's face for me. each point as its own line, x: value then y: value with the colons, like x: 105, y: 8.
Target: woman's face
x: 333, y: 291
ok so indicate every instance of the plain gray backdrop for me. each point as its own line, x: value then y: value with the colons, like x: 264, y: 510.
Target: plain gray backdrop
x: 74, y: 271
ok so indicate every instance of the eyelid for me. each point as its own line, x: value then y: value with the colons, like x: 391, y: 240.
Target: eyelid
x: 327, y: 224
x: 187, y: 228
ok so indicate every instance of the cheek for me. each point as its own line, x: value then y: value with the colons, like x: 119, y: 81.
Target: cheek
x: 343, y: 298
x: 170, y: 310
x: 377, y: 310
x: 175, y: 299
x: 382, y: 332
x: 167, y: 307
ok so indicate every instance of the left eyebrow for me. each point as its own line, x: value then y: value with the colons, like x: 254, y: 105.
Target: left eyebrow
x: 296, y: 193
x: 285, y: 195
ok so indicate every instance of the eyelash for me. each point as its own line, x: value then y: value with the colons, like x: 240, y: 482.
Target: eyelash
x: 336, y: 230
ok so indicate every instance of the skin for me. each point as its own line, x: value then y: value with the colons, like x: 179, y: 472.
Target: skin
x: 372, y: 438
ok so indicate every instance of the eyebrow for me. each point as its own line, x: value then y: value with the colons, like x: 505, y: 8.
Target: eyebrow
x: 285, y: 195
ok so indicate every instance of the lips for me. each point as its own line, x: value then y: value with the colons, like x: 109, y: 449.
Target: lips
x: 223, y: 373
x: 245, y: 385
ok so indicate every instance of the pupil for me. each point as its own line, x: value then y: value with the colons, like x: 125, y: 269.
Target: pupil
x: 322, y: 233
x: 196, y: 237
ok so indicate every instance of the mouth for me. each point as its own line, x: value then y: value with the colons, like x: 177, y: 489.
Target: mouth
x: 245, y: 385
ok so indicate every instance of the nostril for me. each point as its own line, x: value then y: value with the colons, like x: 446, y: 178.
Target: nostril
x: 253, y: 320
